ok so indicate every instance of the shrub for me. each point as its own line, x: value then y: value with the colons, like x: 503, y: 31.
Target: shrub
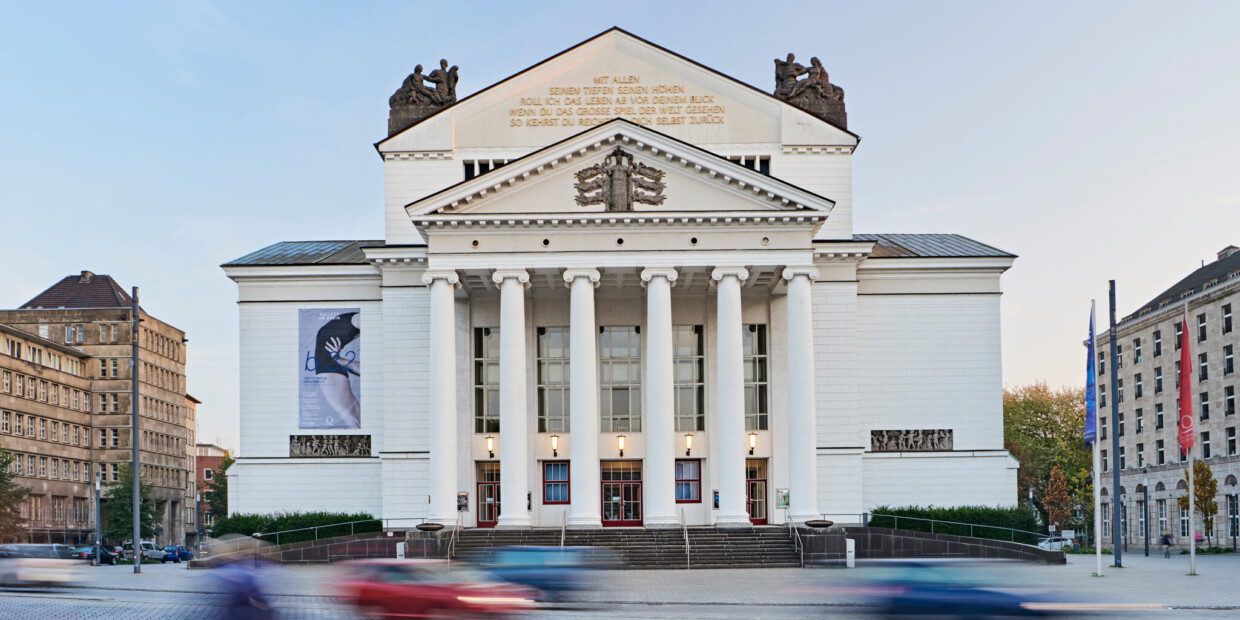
x: 248, y: 524
x: 986, y: 522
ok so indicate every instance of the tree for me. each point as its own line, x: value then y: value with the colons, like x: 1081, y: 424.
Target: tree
x: 1058, y: 504
x: 118, y: 518
x: 1081, y: 490
x: 12, y: 494
x: 1043, y: 428
x: 216, y: 493
x: 1204, y: 489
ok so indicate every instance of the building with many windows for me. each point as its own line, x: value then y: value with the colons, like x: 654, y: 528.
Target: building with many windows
x: 92, y: 314
x: 45, y: 423
x: 620, y: 288
x: 1148, y: 368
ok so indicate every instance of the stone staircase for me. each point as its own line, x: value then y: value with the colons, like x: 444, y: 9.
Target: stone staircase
x: 750, y: 547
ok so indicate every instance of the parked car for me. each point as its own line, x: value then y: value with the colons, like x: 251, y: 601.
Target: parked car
x: 178, y: 552
x: 1054, y: 543
x: 430, y: 588
x: 149, y: 551
x: 106, y: 554
x: 37, y: 565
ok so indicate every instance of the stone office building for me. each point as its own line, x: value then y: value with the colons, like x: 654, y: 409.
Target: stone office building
x: 92, y: 313
x: 620, y: 288
x: 1148, y: 367
x: 45, y: 424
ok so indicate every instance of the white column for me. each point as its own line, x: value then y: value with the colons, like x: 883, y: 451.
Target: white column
x: 513, y: 437
x: 730, y: 427
x: 583, y: 400
x: 660, y: 485
x: 802, y: 421
x: 442, y: 395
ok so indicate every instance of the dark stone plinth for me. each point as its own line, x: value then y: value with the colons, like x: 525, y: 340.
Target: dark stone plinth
x: 400, y: 119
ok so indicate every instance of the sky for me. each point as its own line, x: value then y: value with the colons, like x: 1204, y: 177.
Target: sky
x: 155, y: 141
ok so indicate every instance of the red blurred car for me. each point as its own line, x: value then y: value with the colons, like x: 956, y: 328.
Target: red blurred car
x: 429, y: 589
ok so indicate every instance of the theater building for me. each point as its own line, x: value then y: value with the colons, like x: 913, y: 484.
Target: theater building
x: 619, y: 288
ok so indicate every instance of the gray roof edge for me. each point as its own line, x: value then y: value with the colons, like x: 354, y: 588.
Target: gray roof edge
x: 934, y: 245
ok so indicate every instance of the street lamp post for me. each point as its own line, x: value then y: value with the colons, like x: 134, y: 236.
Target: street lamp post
x: 198, y: 520
x: 98, y: 516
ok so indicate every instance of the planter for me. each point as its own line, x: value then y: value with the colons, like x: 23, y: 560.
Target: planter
x: 429, y: 527
x: 819, y: 523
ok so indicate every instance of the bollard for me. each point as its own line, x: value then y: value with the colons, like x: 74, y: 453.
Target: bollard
x: 850, y: 553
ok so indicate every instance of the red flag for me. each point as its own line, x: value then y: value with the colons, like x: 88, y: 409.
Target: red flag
x: 1186, y: 389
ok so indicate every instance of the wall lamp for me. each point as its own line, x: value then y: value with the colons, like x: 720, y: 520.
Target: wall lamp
x: 555, y: 446
x: 491, y: 446
x: 620, y: 443
x: 753, y: 442
x: 688, y: 443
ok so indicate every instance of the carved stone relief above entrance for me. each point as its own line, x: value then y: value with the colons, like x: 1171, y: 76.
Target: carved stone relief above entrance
x: 911, y: 440
x: 328, y: 445
x: 618, y: 182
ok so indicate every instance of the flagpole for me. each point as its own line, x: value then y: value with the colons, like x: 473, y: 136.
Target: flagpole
x: 1097, y: 461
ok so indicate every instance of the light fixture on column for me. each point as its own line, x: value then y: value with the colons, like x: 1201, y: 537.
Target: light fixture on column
x: 688, y: 443
x: 753, y: 442
x: 491, y: 446
x: 620, y: 443
x: 555, y: 446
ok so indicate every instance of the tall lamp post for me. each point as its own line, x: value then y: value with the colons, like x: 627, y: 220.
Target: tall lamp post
x: 198, y: 520
x: 98, y: 516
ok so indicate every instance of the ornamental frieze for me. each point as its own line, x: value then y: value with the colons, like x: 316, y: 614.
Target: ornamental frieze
x: 911, y: 440
x: 328, y: 445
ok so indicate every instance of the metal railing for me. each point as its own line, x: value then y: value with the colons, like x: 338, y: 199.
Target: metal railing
x: 1012, y: 532
x: 456, y: 532
x: 795, y: 534
x: 563, y: 530
x: 384, y: 524
x: 685, y: 530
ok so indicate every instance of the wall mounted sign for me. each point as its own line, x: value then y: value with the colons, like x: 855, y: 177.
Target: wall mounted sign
x: 330, y: 384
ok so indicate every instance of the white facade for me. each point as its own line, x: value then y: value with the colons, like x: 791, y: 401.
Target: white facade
x: 861, y: 333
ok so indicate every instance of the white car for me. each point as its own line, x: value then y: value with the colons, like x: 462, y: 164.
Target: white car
x: 149, y: 551
x: 1054, y: 543
x: 38, y: 565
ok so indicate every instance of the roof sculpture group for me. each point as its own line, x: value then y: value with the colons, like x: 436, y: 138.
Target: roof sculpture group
x: 813, y: 93
x: 618, y: 181
x: 415, y: 100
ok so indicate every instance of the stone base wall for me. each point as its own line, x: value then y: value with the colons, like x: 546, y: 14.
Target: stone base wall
x: 828, y: 548
x: 336, y: 549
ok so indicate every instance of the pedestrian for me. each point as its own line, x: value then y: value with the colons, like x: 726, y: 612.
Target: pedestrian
x: 1166, y: 544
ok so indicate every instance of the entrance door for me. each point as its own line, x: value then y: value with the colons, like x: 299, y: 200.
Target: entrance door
x: 488, y: 494
x: 755, y: 490
x: 622, y: 493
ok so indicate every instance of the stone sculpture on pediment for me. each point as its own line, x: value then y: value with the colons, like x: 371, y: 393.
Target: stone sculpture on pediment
x: 814, y: 93
x: 421, y: 95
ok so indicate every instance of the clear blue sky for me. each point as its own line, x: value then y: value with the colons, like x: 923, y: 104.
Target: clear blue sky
x: 155, y: 141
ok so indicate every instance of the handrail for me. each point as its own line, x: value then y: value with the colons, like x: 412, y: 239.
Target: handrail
x: 685, y: 530
x: 1011, y: 531
x: 455, y: 533
x: 352, y: 527
x: 800, y: 545
x: 795, y: 534
x: 563, y: 530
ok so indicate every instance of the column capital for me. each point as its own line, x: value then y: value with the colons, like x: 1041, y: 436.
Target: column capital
x: 573, y: 274
x: 720, y: 273
x: 793, y: 271
x: 520, y: 275
x: 441, y: 274
x: 667, y: 273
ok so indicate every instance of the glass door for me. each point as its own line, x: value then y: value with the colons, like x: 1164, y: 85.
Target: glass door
x: 622, y: 493
x: 488, y: 494
x: 755, y: 490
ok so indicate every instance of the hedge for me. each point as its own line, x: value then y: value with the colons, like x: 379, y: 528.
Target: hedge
x: 248, y: 524
x: 979, y: 516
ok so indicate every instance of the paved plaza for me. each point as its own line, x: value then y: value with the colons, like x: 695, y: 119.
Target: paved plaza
x: 1160, y: 585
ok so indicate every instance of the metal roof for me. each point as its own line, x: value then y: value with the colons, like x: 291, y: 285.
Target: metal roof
x: 86, y: 290
x: 930, y: 246
x: 307, y: 253
x: 1206, y: 277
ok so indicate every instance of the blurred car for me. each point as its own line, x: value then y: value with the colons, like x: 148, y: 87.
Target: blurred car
x: 149, y: 551
x: 38, y: 565
x: 178, y: 553
x: 942, y: 590
x: 556, y: 572
x: 1054, y: 543
x: 106, y: 555
x: 422, y: 588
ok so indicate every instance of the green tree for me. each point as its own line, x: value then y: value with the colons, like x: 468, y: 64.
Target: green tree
x: 118, y: 516
x: 1043, y: 428
x: 12, y: 494
x: 1058, y: 503
x: 1081, y: 490
x: 1205, y: 487
x: 216, y: 493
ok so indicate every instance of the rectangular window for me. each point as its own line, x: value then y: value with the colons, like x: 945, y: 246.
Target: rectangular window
x: 1227, y: 319
x: 1204, y: 397
x: 75, y: 470
x: 1201, y: 327
x: 1140, y: 420
x: 1136, y: 385
x: 1102, y: 395
x: 76, y: 434
x: 55, y: 434
x: 689, y: 361
x: 17, y: 424
x: 116, y: 438
x: 1203, y: 367
x: 1140, y: 455
x: 1119, y: 356
x: 1162, y: 453
x: 754, y: 345
x: 555, y: 482
x: 1228, y: 361
x: 1119, y: 392
x: 1102, y: 363
x: 1158, y: 380
x: 1205, y: 445
x: 1123, y: 459
x: 5, y: 382
x: 1157, y: 343
x: 103, y: 368
x: 486, y: 380
x: 1229, y: 400
x: 1106, y: 520
x: 1121, y: 427
x: 21, y: 386
x: 1179, y: 334
x: 1136, y: 350
x: 55, y: 468
x: 30, y: 465
x: 76, y: 395
x: 688, y: 481
x: 4, y: 422
x: 55, y: 395
x: 1162, y: 515
x: 1140, y: 519
x: 103, y: 438
x: 553, y: 389
x: 620, y: 385
x: 1105, y: 467
x: 43, y: 467
x: 115, y: 474
x: 1102, y: 427
x: 43, y: 391
x: 1231, y: 441
x: 42, y: 429
x: 115, y: 365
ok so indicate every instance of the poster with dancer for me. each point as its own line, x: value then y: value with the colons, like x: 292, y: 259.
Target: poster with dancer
x: 331, y: 368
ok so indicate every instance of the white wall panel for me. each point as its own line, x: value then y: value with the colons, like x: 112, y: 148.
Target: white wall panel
x: 965, y: 479
x: 336, y: 485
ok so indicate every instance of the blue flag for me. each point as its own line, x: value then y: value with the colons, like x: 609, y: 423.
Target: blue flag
x: 1091, y: 387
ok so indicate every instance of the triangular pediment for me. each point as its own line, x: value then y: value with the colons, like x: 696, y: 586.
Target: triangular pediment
x: 689, y: 180
x: 616, y: 75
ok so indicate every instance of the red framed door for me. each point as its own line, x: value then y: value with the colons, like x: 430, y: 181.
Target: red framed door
x: 755, y: 490
x: 488, y: 494
x: 622, y: 493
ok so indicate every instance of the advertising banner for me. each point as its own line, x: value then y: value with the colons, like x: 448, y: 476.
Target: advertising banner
x: 330, y: 379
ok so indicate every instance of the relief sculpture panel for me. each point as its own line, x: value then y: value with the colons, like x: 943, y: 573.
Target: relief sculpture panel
x: 911, y: 440
x: 328, y: 445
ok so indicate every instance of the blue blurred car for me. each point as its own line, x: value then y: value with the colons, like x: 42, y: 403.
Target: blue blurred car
x: 178, y: 553
x: 914, y: 589
x: 557, y: 572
